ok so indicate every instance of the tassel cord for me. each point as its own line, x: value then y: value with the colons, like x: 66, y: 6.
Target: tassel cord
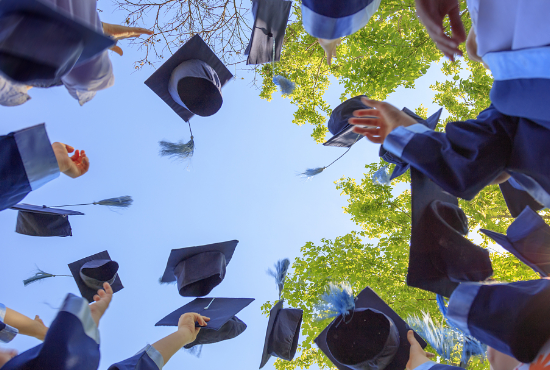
x: 343, y: 154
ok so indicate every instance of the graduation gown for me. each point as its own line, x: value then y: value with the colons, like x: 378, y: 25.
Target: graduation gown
x: 72, y: 342
x: 7, y: 333
x: 510, y: 317
x: 27, y: 162
x: 146, y: 359
x: 471, y: 154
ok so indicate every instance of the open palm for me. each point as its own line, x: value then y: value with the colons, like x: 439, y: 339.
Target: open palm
x: 74, y: 166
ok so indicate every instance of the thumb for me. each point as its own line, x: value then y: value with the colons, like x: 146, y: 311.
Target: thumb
x: 413, y: 342
x: 117, y: 50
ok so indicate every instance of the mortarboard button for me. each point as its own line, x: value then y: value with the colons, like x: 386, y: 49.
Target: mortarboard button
x: 528, y: 238
x: 223, y: 324
x: 268, y: 32
x: 440, y: 255
x: 43, y: 221
x: 91, y: 272
x: 40, y: 43
x: 516, y: 199
x: 190, y: 81
x: 371, y: 336
x: 283, y: 331
x: 200, y: 269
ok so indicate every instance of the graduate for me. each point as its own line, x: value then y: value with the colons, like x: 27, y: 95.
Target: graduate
x: 69, y: 47
x: 155, y: 356
x: 71, y: 342
x: 469, y: 155
x: 28, y: 160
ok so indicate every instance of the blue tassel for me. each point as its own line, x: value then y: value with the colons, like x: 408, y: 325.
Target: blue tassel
x: 443, y: 340
x: 381, y: 177
x: 122, y: 202
x: 287, y: 86
x: 310, y: 172
x: 195, y: 350
x: 281, y: 268
x: 338, y: 300
x: 178, y: 150
x: 39, y: 275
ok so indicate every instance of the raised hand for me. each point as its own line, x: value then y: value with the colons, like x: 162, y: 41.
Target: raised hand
x: 74, y: 166
x: 383, y: 120
x: 417, y: 355
x: 41, y: 329
x: 329, y: 46
x: 102, y: 300
x: 432, y: 13
x: 186, y: 325
x: 119, y: 32
x: 6, y: 355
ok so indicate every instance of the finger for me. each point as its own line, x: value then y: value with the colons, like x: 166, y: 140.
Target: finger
x: 69, y: 148
x: 96, y: 298
x: 449, y: 52
x: 457, y: 27
x: 367, y: 112
x: 107, y: 288
x: 117, y: 50
x: 373, y: 122
x: 142, y: 31
x: 206, y: 318
x: 367, y: 131
x: 412, y: 341
x: 85, y: 166
x: 374, y: 139
x: 76, y: 156
x: 372, y: 103
x: 430, y: 355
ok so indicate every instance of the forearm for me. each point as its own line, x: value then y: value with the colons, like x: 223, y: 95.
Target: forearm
x: 24, y: 324
x: 170, y: 344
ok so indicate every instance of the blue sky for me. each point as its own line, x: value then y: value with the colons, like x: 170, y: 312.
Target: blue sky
x: 240, y: 184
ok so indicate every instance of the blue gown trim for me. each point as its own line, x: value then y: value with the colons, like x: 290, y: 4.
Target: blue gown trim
x: 324, y: 27
x: 398, y: 139
x: 37, y: 155
x: 425, y: 366
x: 7, y: 333
x: 154, y: 355
x: 460, y: 304
x: 517, y: 64
x: 79, y: 307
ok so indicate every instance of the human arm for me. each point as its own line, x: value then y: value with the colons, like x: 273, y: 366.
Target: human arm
x: 186, y: 333
x: 329, y: 46
x: 431, y: 13
x: 25, y: 325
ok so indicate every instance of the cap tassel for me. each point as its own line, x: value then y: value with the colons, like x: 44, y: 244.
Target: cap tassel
x: 381, y: 177
x: 310, y: 172
x: 338, y: 300
x: 443, y: 340
x: 281, y: 269
x: 178, y: 150
x: 287, y: 86
x: 124, y: 201
x: 40, y: 275
x: 195, y: 350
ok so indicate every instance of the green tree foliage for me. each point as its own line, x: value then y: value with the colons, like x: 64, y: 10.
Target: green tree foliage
x: 377, y: 256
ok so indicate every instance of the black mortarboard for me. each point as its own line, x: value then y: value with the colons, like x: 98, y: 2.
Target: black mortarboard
x: 91, y: 272
x: 198, y: 269
x: 516, y: 199
x: 528, y: 238
x: 283, y: 331
x: 223, y: 324
x: 270, y: 19
x: 440, y: 256
x: 342, y: 131
x: 372, y: 336
x: 40, y: 43
x: 400, y: 166
x: 43, y: 221
x: 190, y: 81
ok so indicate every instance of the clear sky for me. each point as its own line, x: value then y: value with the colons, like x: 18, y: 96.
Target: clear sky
x: 240, y: 184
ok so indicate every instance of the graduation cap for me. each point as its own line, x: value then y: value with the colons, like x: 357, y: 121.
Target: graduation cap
x: 400, y: 166
x: 48, y: 221
x: 223, y: 324
x: 366, y: 333
x: 91, y: 272
x: 440, y: 256
x: 283, y: 327
x: 198, y: 270
x: 517, y: 199
x: 39, y: 43
x: 190, y: 83
x: 43, y: 221
x: 268, y: 32
x: 528, y: 238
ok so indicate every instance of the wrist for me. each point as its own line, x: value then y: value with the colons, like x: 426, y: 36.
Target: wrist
x: 184, y: 337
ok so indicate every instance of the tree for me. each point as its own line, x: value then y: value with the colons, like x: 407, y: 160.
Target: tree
x: 220, y: 23
x: 377, y: 257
